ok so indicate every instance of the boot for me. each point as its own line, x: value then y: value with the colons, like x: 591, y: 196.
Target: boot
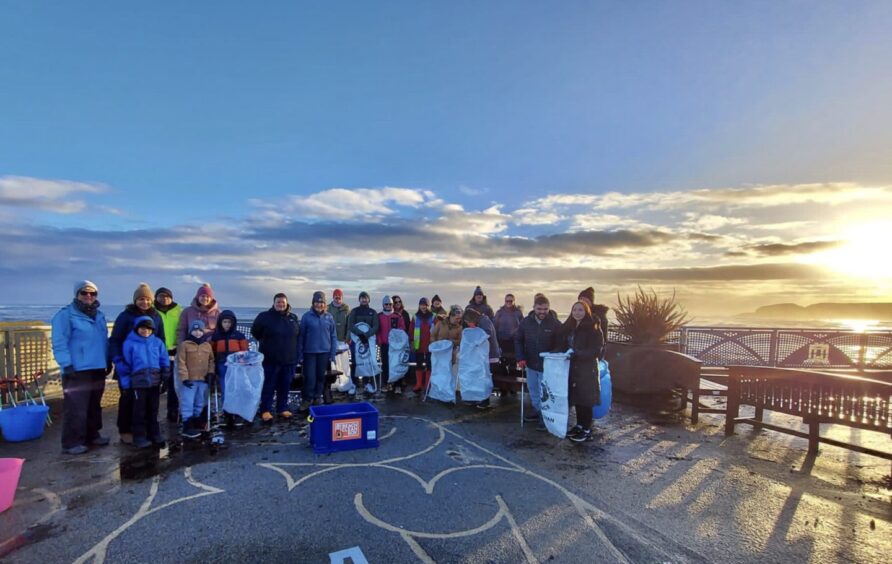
x: 419, y: 381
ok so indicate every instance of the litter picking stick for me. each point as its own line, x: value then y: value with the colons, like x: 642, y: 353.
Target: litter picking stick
x: 523, y: 376
x: 217, y: 437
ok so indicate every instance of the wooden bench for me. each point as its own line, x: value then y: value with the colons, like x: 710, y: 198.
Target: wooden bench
x: 815, y: 396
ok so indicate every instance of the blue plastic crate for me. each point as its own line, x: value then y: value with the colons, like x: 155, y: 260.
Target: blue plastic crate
x: 345, y: 426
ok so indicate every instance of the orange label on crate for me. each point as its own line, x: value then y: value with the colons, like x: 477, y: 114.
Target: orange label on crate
x: 346, y: 429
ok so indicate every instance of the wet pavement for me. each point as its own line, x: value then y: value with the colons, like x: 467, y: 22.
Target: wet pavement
x: 455, y: 484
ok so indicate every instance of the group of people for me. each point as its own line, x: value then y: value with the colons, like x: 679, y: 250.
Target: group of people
x: 157, y: 345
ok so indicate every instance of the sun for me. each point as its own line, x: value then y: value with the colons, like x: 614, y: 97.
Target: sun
x: 864, y: 252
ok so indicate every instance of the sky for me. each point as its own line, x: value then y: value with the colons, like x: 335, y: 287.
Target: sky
x: 737, y: 154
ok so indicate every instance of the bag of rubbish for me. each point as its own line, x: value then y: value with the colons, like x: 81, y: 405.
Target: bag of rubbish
x: 366, y: 363
x: 600, y: 411
x: 473, y: 365
x: 343, y: 383
x: 244, y: 382
x: 398, y: 353
x: 442, y: 384
x: 555, y: 406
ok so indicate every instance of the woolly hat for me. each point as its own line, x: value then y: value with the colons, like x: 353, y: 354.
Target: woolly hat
x: 337, y: 292
x: 143, y: 291
x: 436, y: 298
x: 386, y: 301
x: 196, y: 324
x: 423, y: 301
x: 365, y: 295
x: 145, y: 321
x: 587, y: 294
x: 479, y: 292
x: 205, y: 290
x: 162, y: 291
x: 81, y: 284
x: 319, y: 296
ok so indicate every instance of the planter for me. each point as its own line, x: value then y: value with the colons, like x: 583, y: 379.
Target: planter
x: 651, y: 369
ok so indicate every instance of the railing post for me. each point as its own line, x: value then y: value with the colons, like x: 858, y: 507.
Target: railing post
x: 733, y: 401
x: 862, y: 351
x: 772, y: 348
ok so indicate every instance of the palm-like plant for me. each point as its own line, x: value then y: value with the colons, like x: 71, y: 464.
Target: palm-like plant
x: 648, y: 319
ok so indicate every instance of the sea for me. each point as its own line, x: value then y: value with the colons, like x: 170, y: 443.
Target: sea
x: 246, y: 314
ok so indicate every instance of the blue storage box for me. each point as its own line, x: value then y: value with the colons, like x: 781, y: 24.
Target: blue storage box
x: 346, y: 426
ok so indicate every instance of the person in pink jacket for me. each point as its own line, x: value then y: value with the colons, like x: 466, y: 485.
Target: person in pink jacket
x: 204, y: 308
x: 387, y: 320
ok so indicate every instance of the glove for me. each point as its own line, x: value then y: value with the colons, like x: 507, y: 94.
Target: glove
x: 67, y: 371
x: 364, y: 340
x: 188, y: 383
x: 521, y: 364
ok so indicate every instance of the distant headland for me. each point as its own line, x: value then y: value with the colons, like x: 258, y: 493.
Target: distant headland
x: 877, y: 311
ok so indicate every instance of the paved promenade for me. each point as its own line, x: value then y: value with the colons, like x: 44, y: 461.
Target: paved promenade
x: 455, y: 485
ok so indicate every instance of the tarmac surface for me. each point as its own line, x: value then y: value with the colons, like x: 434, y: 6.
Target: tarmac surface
x: 456, y: 484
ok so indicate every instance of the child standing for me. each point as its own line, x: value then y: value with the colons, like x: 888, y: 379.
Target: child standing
x: 195, y: 365
x: 225, y: 341
x: 143, y: 365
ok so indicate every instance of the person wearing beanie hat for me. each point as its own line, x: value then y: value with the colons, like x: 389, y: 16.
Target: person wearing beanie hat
x: 143, y: 304
x: 341, y: 312
x: 204, y: 307
x: 195, y: 368
x: 318, y: 347
x: 170, y: 312
x: 437, y: 309
x: 80, y: 346
x: 225, y: 340
x: 450, y: 329
x: 337, y: 292
x: 388, y: 320
x: 479, y: 304
x: 588, y: 296
x: 599, y: 313
x: 386, y: 301
x: 277, y: 330
x: 144, y: 366
x: 361, y: 314
x: 420, y: 330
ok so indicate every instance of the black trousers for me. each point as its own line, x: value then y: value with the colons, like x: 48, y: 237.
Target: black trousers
x: 125, y: 411
x: 145, y: 414
x: 82, y: 409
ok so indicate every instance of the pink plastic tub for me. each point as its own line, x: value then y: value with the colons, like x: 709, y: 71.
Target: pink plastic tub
x: 10, y: 470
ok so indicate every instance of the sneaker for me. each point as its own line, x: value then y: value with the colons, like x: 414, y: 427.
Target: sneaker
x: 190, y: 430
x: 398, y: 391
x: 142, y: 442
x: 369, y: 389
x: 574, y: 431
x: 99, y: 440
x: 352, y: 391
x: 286, y: 415
x: 266, y: 417
x: 582, y: 436
x: 238, y: 422
x: 531, y: 415
x: 79, y: 449
x: 127, y: 438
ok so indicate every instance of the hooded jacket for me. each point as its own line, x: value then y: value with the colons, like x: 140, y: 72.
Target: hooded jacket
x: 225, y: 343
x: 534, y: 337
x: 482, y: 308
x: 277, y: 332
x: 80, y: 341
x: 586, y: 342
x: 145, y: 360
x: 386, y: 322
x: 421, y: 331
x: 507, y: 321
x: 124, y: 324
x: 446, y: 330
x: 207, y: 315
x: 195, y: 359
x: 362, y: 314
x: 340, y: 315
x: 317, y: 335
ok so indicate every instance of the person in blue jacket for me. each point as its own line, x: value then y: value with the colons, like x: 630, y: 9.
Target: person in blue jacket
x: 317, y: 350
x: 80, y: 345
x: 277, y: 330
x: 144, y: 364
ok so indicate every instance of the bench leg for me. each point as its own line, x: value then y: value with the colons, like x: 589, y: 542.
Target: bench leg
x: 760, y: 412
x: 814, y: 429
x: 695, y: 405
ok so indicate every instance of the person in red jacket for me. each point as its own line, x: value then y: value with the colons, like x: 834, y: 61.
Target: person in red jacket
x: 387, y: 320
x: 421, y: 340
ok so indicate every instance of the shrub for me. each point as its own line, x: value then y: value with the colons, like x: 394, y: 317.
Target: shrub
x: 647, y: 319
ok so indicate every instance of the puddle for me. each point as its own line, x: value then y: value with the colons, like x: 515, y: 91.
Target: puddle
x: 177, y: 454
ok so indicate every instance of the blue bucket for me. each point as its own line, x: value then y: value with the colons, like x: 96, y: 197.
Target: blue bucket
x: 600, y: 411
x: 23, y: 423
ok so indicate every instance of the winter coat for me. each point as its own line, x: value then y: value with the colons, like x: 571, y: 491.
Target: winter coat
x: 207, y: 315
x: 171, y: 319
x: 277, y: 332
x: 440, y: 314
x: 362, y: 314
x: 340, y: 315
x: 486, y: 324
x: 482, y: 309
x: 586, y: 342
x: 421, y: 332
x: 195, y: 360
x: 533, y: 337
x: 599, y: 312
x: 386, y: 322
x: 317, y: 335
x: 507, y: 321
x: 124, y: 324
x: 225, y: 343
x: 80, y: 341
x: 446, y: 330
x: 145, y: 361
x: 407, y: 319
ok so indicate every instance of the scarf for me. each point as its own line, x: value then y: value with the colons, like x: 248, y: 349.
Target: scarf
x: 87, y: 309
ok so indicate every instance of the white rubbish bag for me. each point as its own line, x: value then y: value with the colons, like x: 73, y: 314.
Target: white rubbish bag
x: 244, y: 382
x: 366, y: 363
x: 555, y: 401
x: 473, y: 365
x: 398, y: 353
x: 442, y: 384
x: 343, y: 383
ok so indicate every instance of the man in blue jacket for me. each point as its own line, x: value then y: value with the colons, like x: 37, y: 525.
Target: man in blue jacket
x: 537, y: 334
x: 80, y: 345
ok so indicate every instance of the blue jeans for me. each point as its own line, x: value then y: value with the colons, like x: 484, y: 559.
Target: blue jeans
x: 221, y: 379
x: 192, y: 399
x: 534, y: 383
x: 276, y: 380
x: 315, y: 367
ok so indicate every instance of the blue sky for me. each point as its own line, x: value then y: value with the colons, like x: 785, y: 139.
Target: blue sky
x: 609, y: 137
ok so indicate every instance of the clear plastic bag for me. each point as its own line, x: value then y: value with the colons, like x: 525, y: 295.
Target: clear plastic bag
x: 366, y: 363
x: 442, y: 385
x: 473, y: 365
x: 343, y: 383
x: 244, y: 382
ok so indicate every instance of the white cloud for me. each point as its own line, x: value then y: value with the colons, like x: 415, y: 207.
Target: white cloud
x: 710, y: 222
x: 348, y: 204
x: 45, y: 195
x: 471, y: 191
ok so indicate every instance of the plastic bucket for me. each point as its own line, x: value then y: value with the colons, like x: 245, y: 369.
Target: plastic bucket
x: 340, y: 427
x: 600, y: 411
x: 23, y: 423
x: 10, y: 470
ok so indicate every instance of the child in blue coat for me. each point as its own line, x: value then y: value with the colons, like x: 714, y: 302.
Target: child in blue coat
x: 144, y: 364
